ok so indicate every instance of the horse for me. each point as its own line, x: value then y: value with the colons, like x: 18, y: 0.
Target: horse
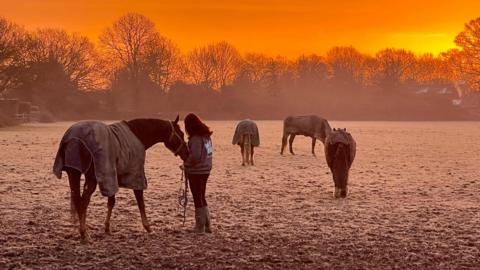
x: 308, y: 125
x: 340, y: 150
x: 247, y: 137
x: 112, y: 156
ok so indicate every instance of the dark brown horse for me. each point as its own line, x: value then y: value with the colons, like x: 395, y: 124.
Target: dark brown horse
x: 340, y: 151
x: 112, y: 156
x: 307, y: 125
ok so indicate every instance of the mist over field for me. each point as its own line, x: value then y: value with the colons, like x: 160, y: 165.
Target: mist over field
x: 134, y: 70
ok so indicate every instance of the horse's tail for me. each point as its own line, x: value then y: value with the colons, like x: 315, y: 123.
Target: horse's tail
x: 246, y: 139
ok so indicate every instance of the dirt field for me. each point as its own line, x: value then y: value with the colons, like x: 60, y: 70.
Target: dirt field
x: 414, y: 203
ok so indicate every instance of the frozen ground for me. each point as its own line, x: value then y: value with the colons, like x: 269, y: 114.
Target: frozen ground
x: 414, y: 203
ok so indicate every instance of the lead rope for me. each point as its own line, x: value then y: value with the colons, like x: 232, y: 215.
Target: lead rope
x: 183, y: 192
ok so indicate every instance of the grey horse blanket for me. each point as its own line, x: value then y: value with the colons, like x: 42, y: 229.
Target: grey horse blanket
x: 246, y: 126
x: 117, y: 155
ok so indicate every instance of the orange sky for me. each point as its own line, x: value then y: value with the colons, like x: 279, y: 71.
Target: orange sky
x: 285, y: 27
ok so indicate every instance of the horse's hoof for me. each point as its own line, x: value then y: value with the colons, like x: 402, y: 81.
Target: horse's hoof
x: 84, y: 238
x: 147, y: 228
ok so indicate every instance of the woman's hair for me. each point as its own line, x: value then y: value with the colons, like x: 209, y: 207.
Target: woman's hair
x: 195, y: 126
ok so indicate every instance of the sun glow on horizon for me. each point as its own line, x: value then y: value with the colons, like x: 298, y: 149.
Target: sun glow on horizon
x: 273, y: 27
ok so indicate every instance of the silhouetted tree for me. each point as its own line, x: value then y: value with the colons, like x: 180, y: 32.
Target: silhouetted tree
x: 394, y: 67
x: 75, y: 54
x: 14, y: 46
x: 213, y: 66
x: 311, y: 71
x: 469, y: 41
x: 346, y: 65
x: 254, y: 69
x: 163, y: 62
x: 126, y: 43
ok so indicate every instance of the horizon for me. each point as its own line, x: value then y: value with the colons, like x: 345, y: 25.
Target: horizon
x: 418, y: 27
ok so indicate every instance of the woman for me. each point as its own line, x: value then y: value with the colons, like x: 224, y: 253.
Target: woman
x: 197, y: 168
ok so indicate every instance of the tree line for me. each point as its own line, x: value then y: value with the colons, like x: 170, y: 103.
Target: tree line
x: 134, y: 70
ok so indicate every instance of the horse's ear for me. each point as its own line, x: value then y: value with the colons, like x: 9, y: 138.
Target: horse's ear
x: 333, y: 129
x: 176, y: 119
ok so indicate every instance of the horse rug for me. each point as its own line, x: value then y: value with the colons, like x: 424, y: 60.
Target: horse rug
x: 343, y: 137
x: 246, y: 127
x: 116, y: 154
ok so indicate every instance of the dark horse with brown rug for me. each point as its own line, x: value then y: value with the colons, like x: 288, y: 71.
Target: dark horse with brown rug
x: 340, y: 150
x: 112, y: 156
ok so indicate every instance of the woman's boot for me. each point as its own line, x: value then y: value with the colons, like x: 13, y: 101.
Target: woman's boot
x: 199, y: 221
x: 208, y: 229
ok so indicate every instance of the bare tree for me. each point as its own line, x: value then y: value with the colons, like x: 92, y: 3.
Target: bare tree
x: 394, y: 66
x: 227, y: 63
x: 345, y: 64
x: 126, y: 42
x: 14, y: 42
x: 311, y: 69
x: 469, y: 41
x: 201, y: 68
x: 214, y: 65
x: 254, y: 67
x: 75, y: 54
x: 280, y: 75
x: 163, y: 62
x: 428, y: 69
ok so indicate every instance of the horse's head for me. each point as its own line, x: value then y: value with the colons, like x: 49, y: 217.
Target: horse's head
x: 176, y: 141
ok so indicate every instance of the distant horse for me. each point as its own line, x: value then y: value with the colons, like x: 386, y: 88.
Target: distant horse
x: 112, y: 156
x: 340, y: 150
x: 246, y: 135
x: 309, y: 126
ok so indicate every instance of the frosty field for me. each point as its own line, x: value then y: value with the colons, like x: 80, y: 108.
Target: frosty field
x: 414, y: 203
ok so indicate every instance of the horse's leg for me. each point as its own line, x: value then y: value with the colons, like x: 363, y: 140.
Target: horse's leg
x: 251, y: 154
x: 313, y: 145
x: 247, y: 148
x: 290, y: 142
x: 242, y: 150
x: 88, y: 189
x: 110, y: 205
x: 141, y: 207
x: 247, y: 153
x: 284, y: 142
x: 75, y: 198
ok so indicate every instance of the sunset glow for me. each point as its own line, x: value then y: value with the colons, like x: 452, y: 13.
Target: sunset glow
x: 284, y: 27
